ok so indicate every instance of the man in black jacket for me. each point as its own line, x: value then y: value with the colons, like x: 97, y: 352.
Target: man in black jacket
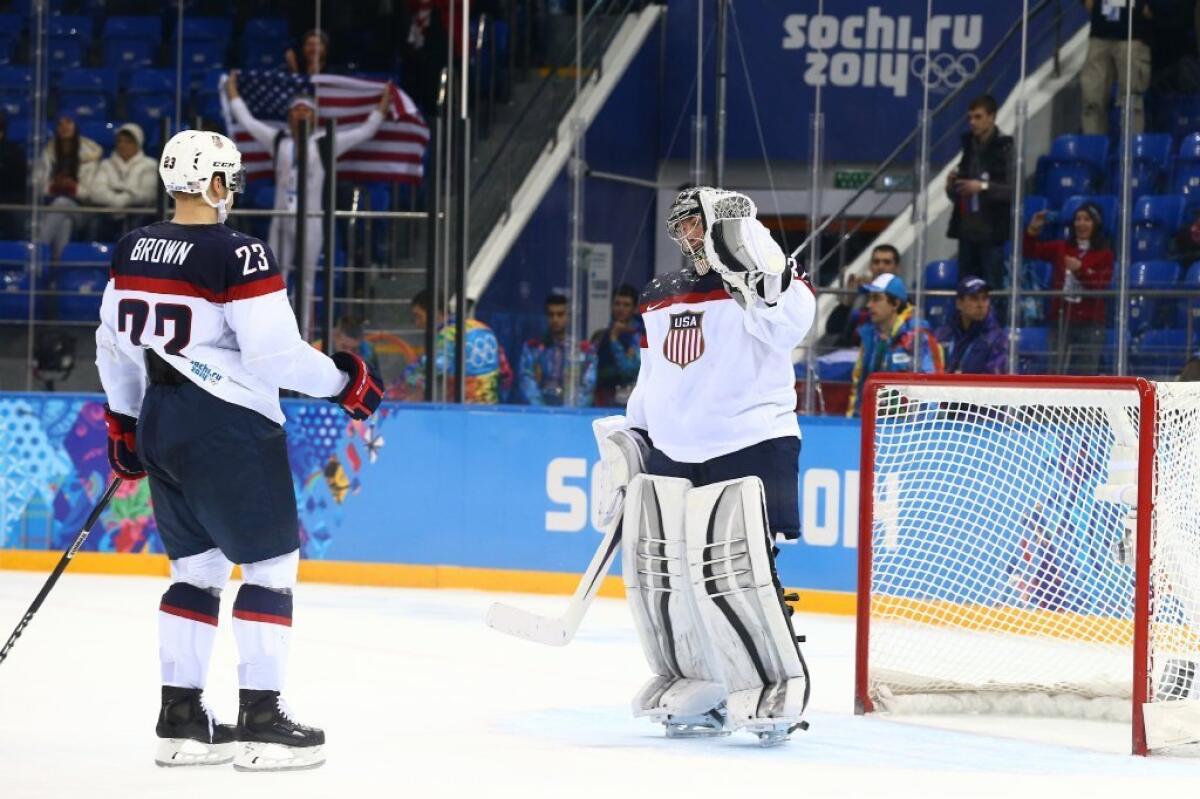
x: 981, y: 189
x: 14, y: 188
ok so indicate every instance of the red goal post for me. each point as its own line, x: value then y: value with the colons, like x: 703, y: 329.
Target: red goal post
x: 994, y: 571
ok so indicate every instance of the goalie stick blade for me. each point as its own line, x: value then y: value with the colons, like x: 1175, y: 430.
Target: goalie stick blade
x: 529, y: 626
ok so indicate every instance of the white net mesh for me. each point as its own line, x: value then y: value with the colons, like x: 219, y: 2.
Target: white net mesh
x: 999, y: 522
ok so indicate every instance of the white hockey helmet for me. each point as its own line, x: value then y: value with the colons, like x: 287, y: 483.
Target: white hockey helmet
x: 192, y: 157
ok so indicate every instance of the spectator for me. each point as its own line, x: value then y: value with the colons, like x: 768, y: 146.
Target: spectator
x: 841, y: 328
x: 545, y: 361
x: 282, y: 235
x: 973, y: 342
x: 1186, y: 247
x: 488, y: 374
x: 889, y: 336
x: 1190, y: 372
x: 348, y: 337
x: 980, y: 188
x: 1106, y: 58
x: 68, y: 162
x: 126, y: 178
x: 618, y: 350
x: 14, y: 180
x: 1083, y: 261
x: 315, y: 52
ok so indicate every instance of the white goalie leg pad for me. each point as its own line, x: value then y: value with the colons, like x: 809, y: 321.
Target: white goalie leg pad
x: 659, y: 592
x: 741, y: 606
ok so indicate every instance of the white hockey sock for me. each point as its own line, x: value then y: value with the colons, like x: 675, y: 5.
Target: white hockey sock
x: 187, y: 627
x: 262, y: 624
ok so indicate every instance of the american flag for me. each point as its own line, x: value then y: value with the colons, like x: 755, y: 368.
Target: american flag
x: 394, y: 154
x: 685, y: 338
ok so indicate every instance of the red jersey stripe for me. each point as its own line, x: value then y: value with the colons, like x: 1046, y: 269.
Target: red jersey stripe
x: 685, y: 299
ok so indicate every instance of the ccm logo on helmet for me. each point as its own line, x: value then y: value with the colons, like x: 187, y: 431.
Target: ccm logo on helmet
x: 221, y: 164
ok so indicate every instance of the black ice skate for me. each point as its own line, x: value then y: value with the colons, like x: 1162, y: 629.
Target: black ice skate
x: 269, y: 739
x: 188, y: 733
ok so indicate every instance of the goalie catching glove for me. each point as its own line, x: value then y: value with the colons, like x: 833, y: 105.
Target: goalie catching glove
x: 743, y: 253
x: 122, y: 445
x: 364, y: 390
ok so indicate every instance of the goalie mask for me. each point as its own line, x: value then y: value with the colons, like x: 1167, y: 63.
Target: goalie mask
x: 696, y: 208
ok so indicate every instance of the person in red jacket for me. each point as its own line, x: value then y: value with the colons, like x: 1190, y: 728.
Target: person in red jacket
x: 1083, y: 261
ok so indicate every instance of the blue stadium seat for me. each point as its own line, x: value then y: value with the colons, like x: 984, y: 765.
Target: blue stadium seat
x: 83, y: 105
x: 89, y: 80
x: 64, y: 53
x: 1108, y: 213
x: 1033, y: 347
x: 1081, y: 148
x: 8, y: 49
x: 126, y: 53
x: 1183, y: 115
x: 1143, y: 311
x: 1156, y: 220
x: 149, y: 109
x: 1076, y: 166
x: 12, y: 25
x: 100, y: 131
x: 1191, y: 305
x: 208, y: 106
x: 15, y: 105
x: 262, y: 53
x: 940, y: 275
x: 19, y: 128
x: 16, y: 79
x: 1186, y: 180
x: 146, y: 28
x: 203, y: 53
x: 1151, y: 162
x: 80, y: 276
x: 212, y: 29
x: 15, y: 278
x: 270, y: 28
x: 131, y: 41
x: 153, y: 81
x: 69, y: 26
x: 1159, y: 353
x: 1036, y: 275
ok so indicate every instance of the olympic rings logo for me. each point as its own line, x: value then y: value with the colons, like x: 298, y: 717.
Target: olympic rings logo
x: 945, y: 70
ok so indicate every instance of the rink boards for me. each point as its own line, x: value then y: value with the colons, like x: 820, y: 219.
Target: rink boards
x: 424, y: 496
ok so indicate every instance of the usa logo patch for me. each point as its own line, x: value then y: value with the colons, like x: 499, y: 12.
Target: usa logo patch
x: 685, y: 338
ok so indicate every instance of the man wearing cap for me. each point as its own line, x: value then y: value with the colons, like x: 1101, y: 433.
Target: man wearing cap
x: 126, y: 179
x: 973, y: 341
x: 282, y: 235
x: 889, y: 338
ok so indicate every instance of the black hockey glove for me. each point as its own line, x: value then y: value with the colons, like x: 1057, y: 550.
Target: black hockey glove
x: 362, y: 395
x: 122, y: 445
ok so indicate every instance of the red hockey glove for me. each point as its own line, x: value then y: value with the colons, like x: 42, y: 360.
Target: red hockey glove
x: 364, y: 392
x: 122, y: 445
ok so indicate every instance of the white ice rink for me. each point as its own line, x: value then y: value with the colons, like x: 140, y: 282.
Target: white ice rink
x: 420, y: 699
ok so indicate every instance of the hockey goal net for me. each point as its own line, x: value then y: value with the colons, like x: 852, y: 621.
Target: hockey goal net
x: 1031, y: 545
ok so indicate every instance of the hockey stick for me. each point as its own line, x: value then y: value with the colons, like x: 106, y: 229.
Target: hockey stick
x: 62, y: 565
x: 559, y: 631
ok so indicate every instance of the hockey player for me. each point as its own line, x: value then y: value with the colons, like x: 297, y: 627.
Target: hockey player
x: 282, y: 144
x: 711, y: 427
x: 196, y: 338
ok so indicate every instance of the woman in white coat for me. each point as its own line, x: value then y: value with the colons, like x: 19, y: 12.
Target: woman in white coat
x: 126, y: 179
x: 282, y: 143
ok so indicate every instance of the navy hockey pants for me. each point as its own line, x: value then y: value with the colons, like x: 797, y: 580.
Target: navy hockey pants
x: 219, y: 475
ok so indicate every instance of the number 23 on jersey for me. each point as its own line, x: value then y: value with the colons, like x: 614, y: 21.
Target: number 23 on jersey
x: 134, y: 315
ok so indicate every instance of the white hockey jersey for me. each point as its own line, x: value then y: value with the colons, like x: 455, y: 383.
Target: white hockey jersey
x: 716, y: 378
x: 212, y: 303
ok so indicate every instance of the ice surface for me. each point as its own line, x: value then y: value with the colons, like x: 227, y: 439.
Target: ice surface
x: 420, y: 699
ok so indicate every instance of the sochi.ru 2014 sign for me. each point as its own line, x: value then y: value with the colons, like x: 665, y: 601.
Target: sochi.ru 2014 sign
x: 885, y: 50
